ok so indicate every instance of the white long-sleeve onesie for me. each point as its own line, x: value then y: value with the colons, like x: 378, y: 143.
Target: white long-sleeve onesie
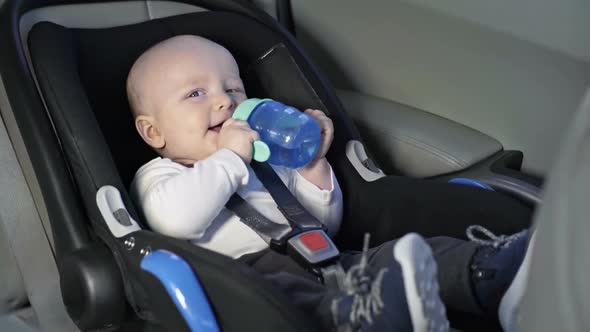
x: 189, y: 202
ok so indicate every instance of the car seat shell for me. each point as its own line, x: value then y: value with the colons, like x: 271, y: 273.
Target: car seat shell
x: 65, y: 104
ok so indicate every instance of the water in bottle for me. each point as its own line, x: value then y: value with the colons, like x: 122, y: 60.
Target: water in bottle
x: 292, y: 136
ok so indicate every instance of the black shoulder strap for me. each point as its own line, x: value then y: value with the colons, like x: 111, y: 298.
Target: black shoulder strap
x: 296, y: 214
x: 299, y: 219
x: 266, y: 228
x: 322, y: 262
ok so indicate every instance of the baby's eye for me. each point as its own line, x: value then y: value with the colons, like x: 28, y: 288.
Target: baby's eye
x: 196, y: 93
x: 236, y: 90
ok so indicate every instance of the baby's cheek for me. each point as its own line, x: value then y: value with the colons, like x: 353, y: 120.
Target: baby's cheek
x: 241, y: 98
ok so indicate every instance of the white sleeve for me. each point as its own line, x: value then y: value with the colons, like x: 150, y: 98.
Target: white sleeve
x: 325, y: 205
x: 182, y: 202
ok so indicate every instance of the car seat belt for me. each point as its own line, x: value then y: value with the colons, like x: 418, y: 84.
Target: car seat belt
x: 265, y: 228
x: 305, y: 240
x: 286, y: 202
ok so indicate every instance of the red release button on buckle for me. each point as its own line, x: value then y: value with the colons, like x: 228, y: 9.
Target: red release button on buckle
x: 313, y: 241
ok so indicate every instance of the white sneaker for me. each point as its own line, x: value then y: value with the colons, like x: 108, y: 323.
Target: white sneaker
x: 419, y: 270
x: 401, y: 297
x: 508, y: 312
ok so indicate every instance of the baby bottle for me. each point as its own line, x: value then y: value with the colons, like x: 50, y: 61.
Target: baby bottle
x: 288, y: 137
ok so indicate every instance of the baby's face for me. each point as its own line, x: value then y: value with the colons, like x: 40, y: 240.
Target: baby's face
x: 194, y: 90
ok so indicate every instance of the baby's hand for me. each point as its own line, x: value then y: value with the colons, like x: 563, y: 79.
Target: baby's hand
x: 327, y: 131
x: 238, y: 137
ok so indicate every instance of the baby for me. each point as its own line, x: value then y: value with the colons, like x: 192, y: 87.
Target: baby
x: 182, y: 93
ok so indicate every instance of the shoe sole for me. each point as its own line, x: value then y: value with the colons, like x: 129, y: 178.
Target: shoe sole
x: 418, y: 267
x: 509, y: 305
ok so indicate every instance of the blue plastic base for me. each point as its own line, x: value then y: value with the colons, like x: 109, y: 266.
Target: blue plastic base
x: 470, y: 182
x: 183, y: 287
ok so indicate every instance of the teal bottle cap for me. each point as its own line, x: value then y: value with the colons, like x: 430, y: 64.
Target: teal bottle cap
x: 246, y: 107
x: 261, y: 151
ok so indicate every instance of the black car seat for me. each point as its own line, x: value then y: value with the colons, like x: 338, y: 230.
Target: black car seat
x: 66, y: 64
x: 78, y: 134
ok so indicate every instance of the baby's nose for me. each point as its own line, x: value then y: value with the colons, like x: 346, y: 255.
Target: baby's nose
x: 225, y: 103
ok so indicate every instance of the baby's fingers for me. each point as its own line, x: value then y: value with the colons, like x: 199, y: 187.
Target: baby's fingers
x: 314, y: 113
x: 238, y: 123
x: 252, y: 135
x: 319, y: 116
x: 324, y: 121
x: 228, y: 122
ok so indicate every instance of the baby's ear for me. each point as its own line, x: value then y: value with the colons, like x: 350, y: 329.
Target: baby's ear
x: 148, y: 130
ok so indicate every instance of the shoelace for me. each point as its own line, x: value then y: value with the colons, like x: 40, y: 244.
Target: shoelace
x: 367, y: 300
x: 501, y: 241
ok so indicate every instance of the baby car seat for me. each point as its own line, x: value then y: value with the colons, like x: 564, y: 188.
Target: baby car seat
x: 65, y: 63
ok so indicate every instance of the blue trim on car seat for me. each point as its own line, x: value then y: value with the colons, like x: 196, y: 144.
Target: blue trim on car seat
x: 183, y: 287
x: 471, y: 182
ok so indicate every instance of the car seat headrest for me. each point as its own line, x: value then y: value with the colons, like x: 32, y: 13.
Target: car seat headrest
x: 103, y: 57
x: 82, y: 78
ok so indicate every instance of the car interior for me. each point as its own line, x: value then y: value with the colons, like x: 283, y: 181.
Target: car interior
x: 72, y: 242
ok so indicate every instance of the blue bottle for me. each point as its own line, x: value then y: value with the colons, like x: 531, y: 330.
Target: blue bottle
x: 291, y: 137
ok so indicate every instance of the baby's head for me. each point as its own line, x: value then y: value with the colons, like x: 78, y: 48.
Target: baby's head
x: 181, y: 91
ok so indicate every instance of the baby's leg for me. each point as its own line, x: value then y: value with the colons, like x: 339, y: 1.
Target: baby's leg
x: 303, y: 288
x: 453, y: 257
x: 395, y: 206
x: 312, y: 297
x: 474, y: 276
x: 396, y: 291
